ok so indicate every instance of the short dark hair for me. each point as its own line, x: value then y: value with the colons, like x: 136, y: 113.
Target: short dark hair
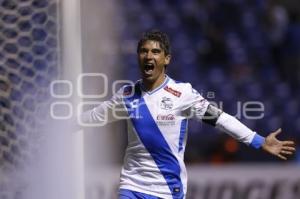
x: 156, y: 35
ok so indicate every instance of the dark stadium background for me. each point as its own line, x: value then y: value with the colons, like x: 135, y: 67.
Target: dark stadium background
x: 241, y: 51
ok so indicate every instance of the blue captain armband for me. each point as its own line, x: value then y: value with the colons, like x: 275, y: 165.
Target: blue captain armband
x: 257, y: 141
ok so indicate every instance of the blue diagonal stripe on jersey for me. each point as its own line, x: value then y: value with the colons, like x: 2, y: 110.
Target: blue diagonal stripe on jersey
x: 155, y: 143
x: 183, y: 128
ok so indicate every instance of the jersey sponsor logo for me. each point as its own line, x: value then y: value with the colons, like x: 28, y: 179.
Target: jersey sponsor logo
x: 172, y: 91
x: 168, y: 117
x: 166, y: 103
x: 165, y: 120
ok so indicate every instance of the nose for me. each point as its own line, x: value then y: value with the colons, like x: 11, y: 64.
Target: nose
x: 149, y: 55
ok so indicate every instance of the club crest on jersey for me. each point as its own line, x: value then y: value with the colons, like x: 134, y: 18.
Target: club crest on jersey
x: 166, y: 103
x: 172, y: 91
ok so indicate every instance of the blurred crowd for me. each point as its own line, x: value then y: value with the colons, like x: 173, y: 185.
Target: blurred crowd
x: 233, y: 52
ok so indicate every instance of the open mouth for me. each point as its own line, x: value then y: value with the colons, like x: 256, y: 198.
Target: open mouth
x: 148, y: 68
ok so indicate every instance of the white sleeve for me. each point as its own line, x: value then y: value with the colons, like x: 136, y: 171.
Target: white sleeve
x: 199, y: 108
x: 108, y: 111
x: 195, y: 105
x: 235, y: 128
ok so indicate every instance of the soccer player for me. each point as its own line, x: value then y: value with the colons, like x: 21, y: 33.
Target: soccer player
x: 157, y: 109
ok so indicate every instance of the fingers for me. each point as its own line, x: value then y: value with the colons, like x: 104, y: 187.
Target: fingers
x: 286, y: 143
x: 281, y: 157
x: 281, y: 149
x: 286, y: 152
x: 277, y: 132
x: 288, y: 148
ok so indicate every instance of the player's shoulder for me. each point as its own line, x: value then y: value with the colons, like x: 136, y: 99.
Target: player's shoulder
x: 178, y: 86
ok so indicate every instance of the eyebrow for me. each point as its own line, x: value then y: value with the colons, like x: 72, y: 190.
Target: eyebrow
x: 153, y: 49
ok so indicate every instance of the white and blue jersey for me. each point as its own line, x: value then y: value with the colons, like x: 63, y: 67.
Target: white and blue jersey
x: 157, y: 134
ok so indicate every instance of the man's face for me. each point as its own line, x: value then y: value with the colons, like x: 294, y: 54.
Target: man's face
x: 152, y: 60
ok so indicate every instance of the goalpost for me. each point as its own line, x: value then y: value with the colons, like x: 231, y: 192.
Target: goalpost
x: 71, y: 69
x: 85, y: 51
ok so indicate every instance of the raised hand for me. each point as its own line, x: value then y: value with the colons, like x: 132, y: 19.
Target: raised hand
x: 278, y: 148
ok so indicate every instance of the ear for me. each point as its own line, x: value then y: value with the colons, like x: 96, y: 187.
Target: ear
x: 167, y: 59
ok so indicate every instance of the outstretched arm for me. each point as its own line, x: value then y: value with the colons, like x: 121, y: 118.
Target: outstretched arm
x: 201, y: 109
x: 278, y: 148
x: 239, y: 131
